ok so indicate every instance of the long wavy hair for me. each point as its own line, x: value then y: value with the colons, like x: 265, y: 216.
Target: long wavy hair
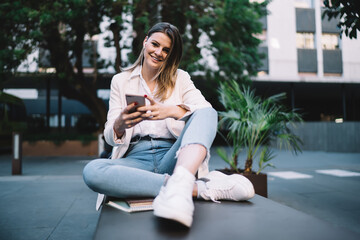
x: 166, y: 76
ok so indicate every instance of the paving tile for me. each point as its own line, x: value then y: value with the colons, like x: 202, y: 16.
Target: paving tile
x: 290, y: 175
x: 339, y: 173
x: 51, y: 201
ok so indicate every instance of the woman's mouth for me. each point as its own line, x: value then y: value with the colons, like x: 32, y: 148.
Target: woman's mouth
x: 156, y: 59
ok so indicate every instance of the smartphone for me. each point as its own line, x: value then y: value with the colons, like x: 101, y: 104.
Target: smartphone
x: 131, y: 98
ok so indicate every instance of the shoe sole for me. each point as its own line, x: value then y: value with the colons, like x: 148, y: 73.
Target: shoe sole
x: 164, y: 211
x: 249, y: 187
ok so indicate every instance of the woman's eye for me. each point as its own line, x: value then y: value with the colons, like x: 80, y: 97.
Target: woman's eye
x: 155, y: 44
x: 166, y: 50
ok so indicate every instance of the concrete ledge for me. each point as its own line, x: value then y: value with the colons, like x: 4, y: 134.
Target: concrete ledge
x: 259, y: 218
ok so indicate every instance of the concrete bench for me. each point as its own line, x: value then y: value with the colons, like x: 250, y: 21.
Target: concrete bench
x: 259, y: 218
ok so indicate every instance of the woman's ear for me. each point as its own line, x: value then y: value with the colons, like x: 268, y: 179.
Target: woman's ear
x: 145, y: 40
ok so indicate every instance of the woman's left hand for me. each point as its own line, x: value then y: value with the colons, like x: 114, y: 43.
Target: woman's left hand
x: 159, y: 111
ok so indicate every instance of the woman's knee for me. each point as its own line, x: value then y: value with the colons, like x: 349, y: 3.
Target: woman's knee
x: 91, y: 173
x: 209, y: 113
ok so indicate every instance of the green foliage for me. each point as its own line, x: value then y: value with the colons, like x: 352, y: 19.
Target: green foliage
x: 348, y: 12
x: 8, y: 122
x: 232, y: 27
x: 253, y: 123
x: 86, y: 124
x: 15, y: 30
x: 229, y: 25
x: 266, y: 155
x: 61, y: 27
x: 228, y: 159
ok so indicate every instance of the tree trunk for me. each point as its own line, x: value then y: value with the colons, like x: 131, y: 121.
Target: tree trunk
x: 173, y: 11
x: 73, y: 85
x: 248, y: 165
x: 115, y: 29
x: 139, y: 27
x: 235, y: 160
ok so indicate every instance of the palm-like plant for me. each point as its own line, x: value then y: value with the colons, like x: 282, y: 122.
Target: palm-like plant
x: 253, y: 123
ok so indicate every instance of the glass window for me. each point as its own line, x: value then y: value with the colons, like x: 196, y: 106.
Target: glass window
x: 54, y: 121
x: 304, y: 3
x: 330, y: 41
x: 103, y: 93
x: 262, y: 38
x: 23, y: 93
x: 305, y: 40
x: 73, y: 120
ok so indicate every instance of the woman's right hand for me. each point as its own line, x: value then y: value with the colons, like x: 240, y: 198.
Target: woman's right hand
x: 128, y: 118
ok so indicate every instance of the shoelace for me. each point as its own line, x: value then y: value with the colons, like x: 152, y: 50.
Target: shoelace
x: 215, y: 194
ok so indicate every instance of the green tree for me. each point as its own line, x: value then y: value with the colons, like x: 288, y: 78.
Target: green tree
x: 115, y: 12
x: 62, y: 26
x: 349, y: 13
x: 15, y: 37
x: 232, y: 27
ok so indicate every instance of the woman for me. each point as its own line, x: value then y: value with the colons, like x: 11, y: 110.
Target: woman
x: 159, y: 147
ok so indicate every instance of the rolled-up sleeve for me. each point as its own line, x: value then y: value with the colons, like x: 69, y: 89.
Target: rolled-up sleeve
x: 192, y: 98
x: 115, y: 108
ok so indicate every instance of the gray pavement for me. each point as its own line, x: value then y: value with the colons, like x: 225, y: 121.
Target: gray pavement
x: 50, y: 200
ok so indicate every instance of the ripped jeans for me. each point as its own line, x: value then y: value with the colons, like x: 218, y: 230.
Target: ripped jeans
x: 143, y: 169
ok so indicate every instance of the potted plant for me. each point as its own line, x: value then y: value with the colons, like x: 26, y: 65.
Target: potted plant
x: 253, y: 124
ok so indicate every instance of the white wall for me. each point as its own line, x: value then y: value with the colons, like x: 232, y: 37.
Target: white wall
x: 281, y: 35
x: 282, y: 40
x: 351, y: 59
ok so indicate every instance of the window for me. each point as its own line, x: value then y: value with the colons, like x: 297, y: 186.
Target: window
x: 23, y: 93
x: 73, y: 120
x: 330, y: 41
x: 54, y: 121
x: 305, y: 40
x: 103, y: 94
x: 304, y: 4
x: 262, y: 38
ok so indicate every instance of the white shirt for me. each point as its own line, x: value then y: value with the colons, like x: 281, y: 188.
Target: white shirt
x: 184, y: 94
x: 152, y: 128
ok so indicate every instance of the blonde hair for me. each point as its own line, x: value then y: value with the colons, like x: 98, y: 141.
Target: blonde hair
x: 166, y: 76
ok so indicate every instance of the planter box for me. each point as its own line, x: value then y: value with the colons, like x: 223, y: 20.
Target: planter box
x: 260, y: 183
x: 66, y: 148
x: 258, y: 180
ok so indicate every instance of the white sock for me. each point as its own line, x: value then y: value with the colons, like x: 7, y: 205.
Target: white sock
x: 201, y: 186
x: 184, y: 172
x: 182, y: 179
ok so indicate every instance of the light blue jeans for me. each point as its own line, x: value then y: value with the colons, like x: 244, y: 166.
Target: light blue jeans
x: 142, y: 170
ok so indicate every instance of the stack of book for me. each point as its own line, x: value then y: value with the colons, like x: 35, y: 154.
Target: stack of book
x: 132, y: 205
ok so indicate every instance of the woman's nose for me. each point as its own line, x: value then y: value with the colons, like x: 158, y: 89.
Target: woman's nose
x: 158, y: 51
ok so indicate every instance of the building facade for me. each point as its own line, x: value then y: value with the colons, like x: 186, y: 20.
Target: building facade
x: 305, y: 56
x: 308, y: 59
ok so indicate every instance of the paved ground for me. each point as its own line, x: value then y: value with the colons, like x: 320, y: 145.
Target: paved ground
x: 50, y: 201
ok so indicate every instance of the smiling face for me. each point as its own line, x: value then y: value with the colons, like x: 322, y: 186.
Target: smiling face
x: 156, y: 49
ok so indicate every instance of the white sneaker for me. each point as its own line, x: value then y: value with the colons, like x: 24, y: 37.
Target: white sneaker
x: 175, y: 198
x: 227, y: 187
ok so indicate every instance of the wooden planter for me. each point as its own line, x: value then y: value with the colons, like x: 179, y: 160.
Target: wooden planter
x: 66, y: 148
x: 260, y: 183
x: 258, y: 180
